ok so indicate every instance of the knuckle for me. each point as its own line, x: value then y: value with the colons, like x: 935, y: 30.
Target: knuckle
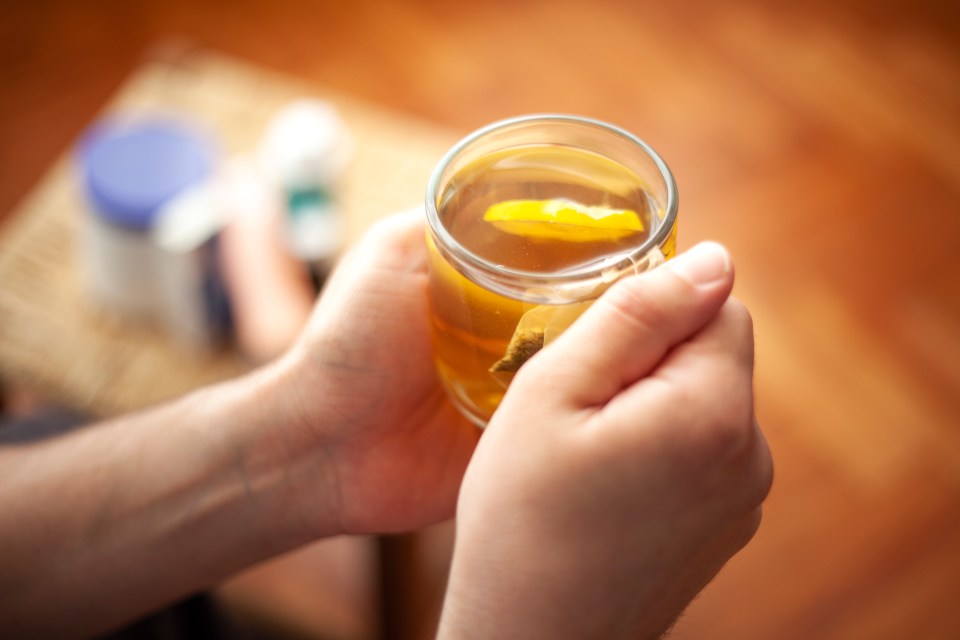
x: 740, y: 321
x: 747, y: 527
x: 725, y: 443
x: 740, y: 314
x: 727, y: 431
x: 727, y: 446
x: 749, y: 473
x: 763, y: 468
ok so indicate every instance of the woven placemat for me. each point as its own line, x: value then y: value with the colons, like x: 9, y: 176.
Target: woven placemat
x: 52, y: 339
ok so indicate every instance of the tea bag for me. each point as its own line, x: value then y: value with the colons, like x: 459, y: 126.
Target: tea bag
x: 537, y: 328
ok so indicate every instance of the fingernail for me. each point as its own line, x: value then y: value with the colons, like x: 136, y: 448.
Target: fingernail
x: 702, y: 265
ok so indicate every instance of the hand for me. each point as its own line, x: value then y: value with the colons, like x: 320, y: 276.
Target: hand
x: 622, y: 470
x: 365, y: 394
x: 349, y: 431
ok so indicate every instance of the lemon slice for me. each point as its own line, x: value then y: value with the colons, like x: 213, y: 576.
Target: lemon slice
x: 562, y: 219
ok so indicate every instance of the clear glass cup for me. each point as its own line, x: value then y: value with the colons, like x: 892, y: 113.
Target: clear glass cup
x: 529, y: 220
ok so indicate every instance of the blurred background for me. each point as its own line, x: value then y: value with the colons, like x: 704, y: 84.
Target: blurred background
x: 820, y: 141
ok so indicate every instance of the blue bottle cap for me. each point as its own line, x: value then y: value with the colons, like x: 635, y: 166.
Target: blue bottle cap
x: 131, y: 168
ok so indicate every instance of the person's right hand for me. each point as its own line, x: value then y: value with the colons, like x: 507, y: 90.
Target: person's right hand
x: 622, y: 470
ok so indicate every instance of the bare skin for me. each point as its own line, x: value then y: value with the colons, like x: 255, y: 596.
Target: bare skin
x: 602, y: 508
x: 637, y: 476
x: 341, y: 435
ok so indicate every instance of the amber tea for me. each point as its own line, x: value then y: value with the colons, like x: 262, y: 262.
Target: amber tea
x: 530, y: 236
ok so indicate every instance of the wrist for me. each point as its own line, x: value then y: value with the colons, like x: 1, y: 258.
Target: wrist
x: 280, y: 458
x: 131, y: 513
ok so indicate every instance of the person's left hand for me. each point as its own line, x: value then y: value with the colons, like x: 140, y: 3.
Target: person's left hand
x: 365, y: 398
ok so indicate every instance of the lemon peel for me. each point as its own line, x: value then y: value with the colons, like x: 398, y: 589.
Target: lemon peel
x: 562, y: 219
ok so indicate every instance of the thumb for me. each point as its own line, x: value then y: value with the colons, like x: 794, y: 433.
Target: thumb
x: 630, y: 328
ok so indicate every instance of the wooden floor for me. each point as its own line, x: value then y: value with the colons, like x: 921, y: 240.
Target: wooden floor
x: 819, y: 140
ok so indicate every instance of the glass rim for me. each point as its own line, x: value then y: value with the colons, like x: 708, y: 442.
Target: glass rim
x: 451, y: 247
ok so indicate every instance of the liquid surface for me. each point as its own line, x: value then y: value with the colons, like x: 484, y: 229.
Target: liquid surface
x: 481, y: 338
x: 542, y: 174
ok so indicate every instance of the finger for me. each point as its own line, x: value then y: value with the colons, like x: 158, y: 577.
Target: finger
x: 392, y: 247
x: 389, y: 260
x: 626, y: 333
x: 701, y: 394
x: 698, y: 409
x: 725, y: 340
